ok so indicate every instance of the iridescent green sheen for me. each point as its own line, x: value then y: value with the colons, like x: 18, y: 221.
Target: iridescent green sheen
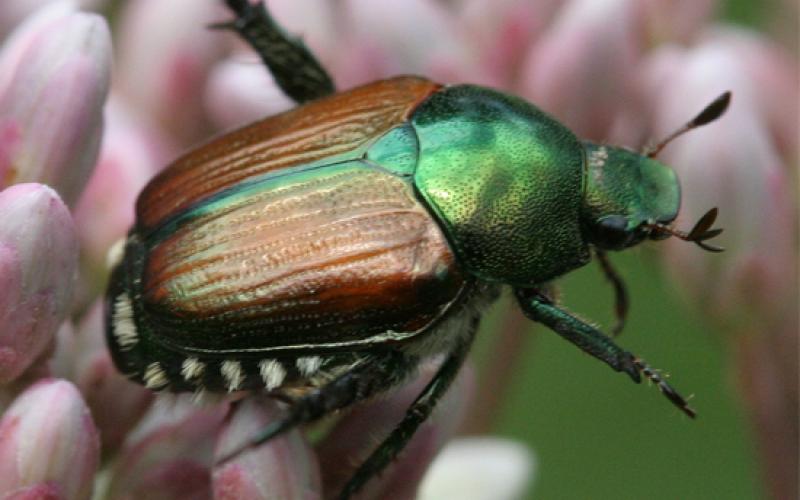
x: 623, y: 182
x: 506, y: 182
x: 397, y: 151
x: 242, y: 193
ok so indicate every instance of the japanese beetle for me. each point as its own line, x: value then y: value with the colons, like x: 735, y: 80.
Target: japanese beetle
x: 321, y: 254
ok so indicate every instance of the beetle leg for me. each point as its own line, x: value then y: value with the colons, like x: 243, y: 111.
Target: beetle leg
x: 539, y: 308
x: 294, y: 67
x: 416, y: 414
x: 620, y: 292
x: 374, y: 374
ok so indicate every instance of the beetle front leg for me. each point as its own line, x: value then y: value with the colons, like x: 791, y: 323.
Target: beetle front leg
x: 294, y: 67
x: 540, y: 308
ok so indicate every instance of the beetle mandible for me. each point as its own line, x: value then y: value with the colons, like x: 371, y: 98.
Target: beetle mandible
x: 323, y: 253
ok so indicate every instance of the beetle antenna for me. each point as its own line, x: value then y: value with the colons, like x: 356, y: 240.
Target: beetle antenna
x: 698, y: 235
x: 708, y: 115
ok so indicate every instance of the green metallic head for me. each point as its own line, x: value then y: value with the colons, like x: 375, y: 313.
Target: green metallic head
x: 627, y: 195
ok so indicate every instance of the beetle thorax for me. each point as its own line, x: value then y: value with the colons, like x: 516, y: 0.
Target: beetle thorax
x: 505, y: 181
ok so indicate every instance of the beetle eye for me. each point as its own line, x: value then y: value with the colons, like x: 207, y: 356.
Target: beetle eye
x: 612, y: 233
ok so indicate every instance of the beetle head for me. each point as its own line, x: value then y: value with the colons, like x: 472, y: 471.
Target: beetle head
x: 626, y: 196
x: 630, y: 197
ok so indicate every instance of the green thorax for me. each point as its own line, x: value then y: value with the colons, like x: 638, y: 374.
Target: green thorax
x: 505, y: 181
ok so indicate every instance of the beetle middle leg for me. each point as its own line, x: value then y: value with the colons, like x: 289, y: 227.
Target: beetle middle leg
x: 294, y: 67
x: 540, y: 308
x: 373, y: 374
x: 620, y: 293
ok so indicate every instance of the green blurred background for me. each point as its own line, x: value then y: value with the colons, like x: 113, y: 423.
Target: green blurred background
x: 596, y: 435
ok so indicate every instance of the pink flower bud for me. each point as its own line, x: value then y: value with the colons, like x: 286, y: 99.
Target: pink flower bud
x: 357, y: 435
x: 679, y: 20
x: 774, y: 71
x: 166, y: 51
x: 240, y: 90
x: 734, y: 164
x: 18, y: 41
x: 582, y: 69
x: 171, y: 451
x: 742, y: 165
x: 502, y: 32
x: 130, y: 156
x: 285, y: 467
x: 14, y: 11
x: 82, y: 356
x: 45, y: 491
x: 48, y: 443
x: 312, y: 20
x: 403, y: 36
x: 38, y: 260
x: 51, y: 106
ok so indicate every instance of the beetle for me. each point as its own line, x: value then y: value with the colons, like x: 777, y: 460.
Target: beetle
x: 321, y: 254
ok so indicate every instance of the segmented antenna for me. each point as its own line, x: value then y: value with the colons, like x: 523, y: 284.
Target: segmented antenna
x: 698, y: 235
x: 708, y: 115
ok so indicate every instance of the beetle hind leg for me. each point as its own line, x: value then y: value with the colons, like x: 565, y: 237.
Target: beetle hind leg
x: 415, y: 415
x: 294, y: 67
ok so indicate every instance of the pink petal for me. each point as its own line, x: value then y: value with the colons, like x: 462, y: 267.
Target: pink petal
x: 131, y: 154
x: 241, y: 90
x: 14, y: 11
x: 678, y: 20
x: 170, y: 452
x: 82, y: 356
x: 582, y: 69
x: 733, y: 164
x: 38, y: 259
x: 285, y: 467
x: 359, y: 432
x: 52, y: 105
x: 165, y: 53
x: 48, y: 435
x: 406, y: 36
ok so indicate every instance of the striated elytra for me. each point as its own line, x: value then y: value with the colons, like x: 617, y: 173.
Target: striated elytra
x: 321, y: 254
